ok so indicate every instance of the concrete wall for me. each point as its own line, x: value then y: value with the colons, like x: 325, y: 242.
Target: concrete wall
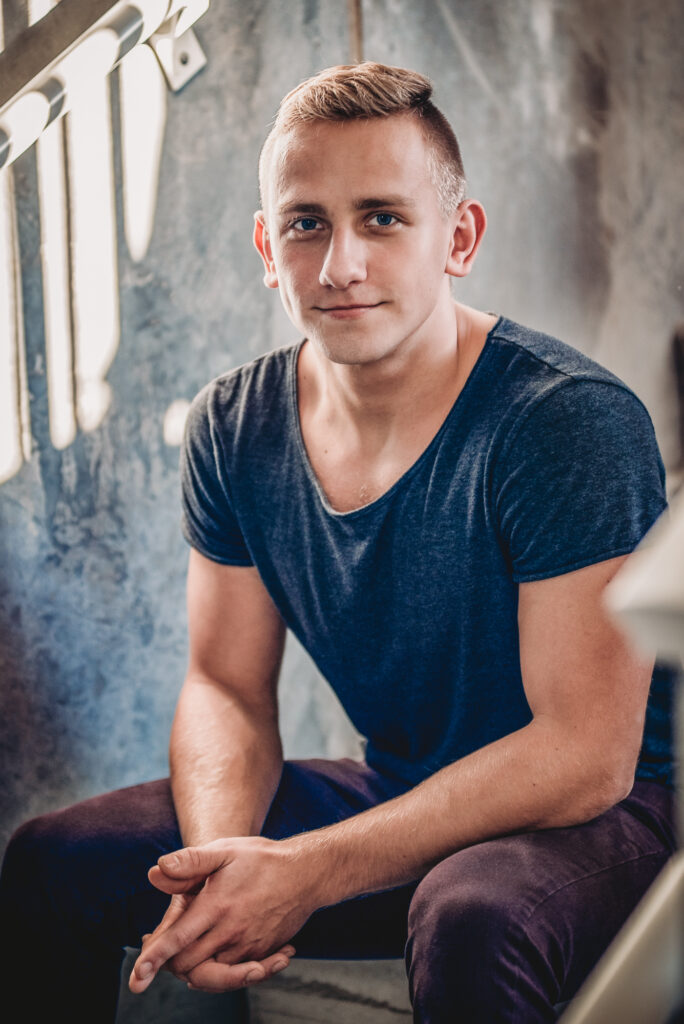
x: 92, y: 608
x: 570, y: 119
x: 569, y: 115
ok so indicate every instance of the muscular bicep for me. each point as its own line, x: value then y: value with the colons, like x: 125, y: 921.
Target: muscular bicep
x: 236, y: 633
x: 579, y: 672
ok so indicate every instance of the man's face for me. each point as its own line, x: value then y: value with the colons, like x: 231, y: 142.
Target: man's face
x: 355, y: 239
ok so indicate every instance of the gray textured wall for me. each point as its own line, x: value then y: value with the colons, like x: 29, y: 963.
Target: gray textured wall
x: 570, y: 118
x: 92, y: 615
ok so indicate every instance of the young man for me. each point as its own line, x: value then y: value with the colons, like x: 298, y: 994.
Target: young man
x: 433, y: 499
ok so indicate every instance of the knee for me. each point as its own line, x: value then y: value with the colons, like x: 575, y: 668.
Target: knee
x: 49, y: 862
x: 28, y: 849
x: 25, y: 870
x: 34, y: 855
x: 462, y: 940
x: 461, y: 908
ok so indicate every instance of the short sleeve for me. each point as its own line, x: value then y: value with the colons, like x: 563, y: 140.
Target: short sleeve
x: 208, y: 521
x: 579, y: 480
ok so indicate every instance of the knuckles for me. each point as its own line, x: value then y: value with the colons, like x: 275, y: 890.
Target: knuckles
x: 238, y: 936
x: 192, y: 860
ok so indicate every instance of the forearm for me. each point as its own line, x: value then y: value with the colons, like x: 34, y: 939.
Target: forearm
x: 259, y: 892
x: 528, y: 780
x: 226, y: 761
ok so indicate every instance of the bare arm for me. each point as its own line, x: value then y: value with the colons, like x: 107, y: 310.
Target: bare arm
x: 225, y: 751
x: 587, y: 692
x: 226, y: 756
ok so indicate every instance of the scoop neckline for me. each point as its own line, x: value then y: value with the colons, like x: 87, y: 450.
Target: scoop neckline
x: 412, y: 469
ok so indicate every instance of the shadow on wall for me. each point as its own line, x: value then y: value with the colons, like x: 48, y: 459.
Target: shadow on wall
x: 65, y: 239
x: 39, y: 743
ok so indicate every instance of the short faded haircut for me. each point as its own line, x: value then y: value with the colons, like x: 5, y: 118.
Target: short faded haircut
x: 349, y: 92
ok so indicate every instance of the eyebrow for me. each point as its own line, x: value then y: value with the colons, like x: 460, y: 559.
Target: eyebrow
x: 371, y: 203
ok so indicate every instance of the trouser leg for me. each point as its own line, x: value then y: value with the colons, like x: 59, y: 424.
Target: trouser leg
x: 502, y: 931
x: 316, y: 793
x: 74, y: 892
x: 74, y: 888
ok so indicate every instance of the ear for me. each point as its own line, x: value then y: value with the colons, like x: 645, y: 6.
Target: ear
x: 262, y: 243
x: 469, y: 228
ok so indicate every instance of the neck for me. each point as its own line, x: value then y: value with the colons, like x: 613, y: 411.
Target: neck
x: 375, y: 395
x: 364, y: 425
x: 425, y: 374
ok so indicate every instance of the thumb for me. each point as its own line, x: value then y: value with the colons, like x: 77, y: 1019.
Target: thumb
x: 187, y: 868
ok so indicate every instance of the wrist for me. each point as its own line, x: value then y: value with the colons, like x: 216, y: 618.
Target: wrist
x: 316, y: 862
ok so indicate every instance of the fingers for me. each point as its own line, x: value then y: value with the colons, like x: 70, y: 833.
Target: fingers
x: 184, y: 965
x: 174, y: 910
x: 208, y: 948
x: 192, y: 861
x: 168, y: 939
x: 204, y: 948
x: 212, y: 976
x: 160, y: 880
x: 177, y: 906
x: 186, y: 870
x: 226, y: 957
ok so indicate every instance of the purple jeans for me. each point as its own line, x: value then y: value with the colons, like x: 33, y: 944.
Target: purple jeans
x: 499, y: 932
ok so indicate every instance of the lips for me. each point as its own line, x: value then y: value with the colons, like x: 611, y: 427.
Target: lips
x: 352, y: 305
x: 348, y: 309
x: 348, y: 312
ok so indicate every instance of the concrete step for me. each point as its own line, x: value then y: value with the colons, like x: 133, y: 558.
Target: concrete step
x: 308, y: 992
x: 333, y: 992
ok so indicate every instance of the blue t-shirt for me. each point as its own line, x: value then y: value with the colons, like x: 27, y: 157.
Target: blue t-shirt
x: 408, y: 606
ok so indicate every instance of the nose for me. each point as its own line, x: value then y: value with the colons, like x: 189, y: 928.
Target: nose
x: 345, y: 260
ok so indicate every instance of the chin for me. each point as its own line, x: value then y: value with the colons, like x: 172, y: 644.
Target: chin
x: 353, y: 351
x: 352, y: 355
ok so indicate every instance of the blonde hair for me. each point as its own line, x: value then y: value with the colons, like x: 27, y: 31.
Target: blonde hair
x: 355, y: 91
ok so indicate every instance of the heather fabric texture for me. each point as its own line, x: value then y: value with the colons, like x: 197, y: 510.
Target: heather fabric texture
x: 546, y: 463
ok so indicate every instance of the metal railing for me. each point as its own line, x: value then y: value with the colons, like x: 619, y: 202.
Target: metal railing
x: 78, y: 41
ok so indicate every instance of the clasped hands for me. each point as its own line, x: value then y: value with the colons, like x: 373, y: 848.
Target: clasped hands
x: 235, y: 904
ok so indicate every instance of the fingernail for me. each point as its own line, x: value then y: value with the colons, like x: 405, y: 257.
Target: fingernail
x: 170, y: 860
x: 254, y: 976
x: 144, y: 970
x: 280, y: 965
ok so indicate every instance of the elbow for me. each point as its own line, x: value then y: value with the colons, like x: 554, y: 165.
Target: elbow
x: 587, y: 784
x: 606, y: 786
x: 617, y: 769
x: 613, y: 790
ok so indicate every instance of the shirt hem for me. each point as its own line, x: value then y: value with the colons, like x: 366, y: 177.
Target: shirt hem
x: 581, y: 563
x: 238, y: 560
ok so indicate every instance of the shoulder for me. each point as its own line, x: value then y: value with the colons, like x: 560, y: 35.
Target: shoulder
x: 577, y: 475
x: 565, y: 417
x: 231, y: 432
x: 243, y: 399
x: 543, y: 358
x: 558, y: 386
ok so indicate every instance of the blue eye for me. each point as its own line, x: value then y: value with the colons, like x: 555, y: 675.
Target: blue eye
x: 384, y: 220
x: 307, y: 223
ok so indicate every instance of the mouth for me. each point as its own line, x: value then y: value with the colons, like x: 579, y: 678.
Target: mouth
x: 348, y: 310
